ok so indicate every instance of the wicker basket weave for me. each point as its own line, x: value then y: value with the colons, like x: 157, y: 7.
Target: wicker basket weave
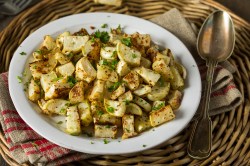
x: 231, y: 135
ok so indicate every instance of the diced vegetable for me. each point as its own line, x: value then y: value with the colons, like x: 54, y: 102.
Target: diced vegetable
x: 128, y: 126
x: 177, y: 82
x: 106, y: 74
x: 142, y: 123
x: 159, y: 91
x: 108, y: 53
x: 115, y: 108
x: 76, y: 94
x: 132, y: 80
x: 73, y: 126
x: 118, y: 92
x: 74, y: 43
x: 149, y: 76
x: 97, y: 91
x: 142, y: 90
x: 132, y: 108
x: 49, y: 42
x: 85, y: 113
x: 162, y: 115
x: 105, y: 131
x: 126, y: 97
x: 85, y: 71
x: 122, y: 68
x: 56, y: 106
x: 34, y: 91
x: 66, y: 70
x: 129, y: 55
x: 142, y: 103
x: 174, y: 99
x: 145, y: 62
x: 158, y: 105
x: 160, y: 67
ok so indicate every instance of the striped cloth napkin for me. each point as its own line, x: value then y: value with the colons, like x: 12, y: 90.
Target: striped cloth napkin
x: 26, y: 145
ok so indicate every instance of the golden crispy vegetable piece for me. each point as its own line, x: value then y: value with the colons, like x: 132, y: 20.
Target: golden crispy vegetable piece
x: 132, y: 80
x: 118, y: 92
x: 177, y: 83
x: 85, y: 113
x: 122, y: 68
x: 132, y: 108
x: 174, y: 99
x: 128, y: 126
x: 142, y: 122
x: 34, y: 92
x: 92, y: 49
x: 159, y: 91
x: 141, y: 40
x: 105, y: 131
x: 66, y: 70
x: 57, y: 90
x: 76, y: 94
x: 127, y: 97
x: 60, y: 38
x: 47, y: 80
x: 97, y: 90
x: 105, y: 73
x: 38, y: 68
x: 161, y: 116
x: 142, y: 90
x: 63, y: 58
x: 145, y: 63
x: 73, y: 126
x: 84, y: 70
x: 56, y: 106
x: 158, y: 105
x: 142, y: 103
x: 129, y: 55
x: 149, y: 76
x: 49, y: 42
x: 108, y: 53
x: 160, y: 67
x: 74, y: 44
x: 115, y: 108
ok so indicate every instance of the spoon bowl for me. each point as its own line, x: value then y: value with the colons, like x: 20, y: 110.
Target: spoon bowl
x: 217, y: 37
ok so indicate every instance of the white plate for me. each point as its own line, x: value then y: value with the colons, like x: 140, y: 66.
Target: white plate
x: 47, y: 128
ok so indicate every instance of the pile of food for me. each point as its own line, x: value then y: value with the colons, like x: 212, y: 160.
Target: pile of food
x: 106, y: 80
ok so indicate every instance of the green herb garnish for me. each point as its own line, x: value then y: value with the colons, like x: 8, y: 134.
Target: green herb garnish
x: 127, y: 41
x: 71, y: 80
x: 111, y: 64
x: 38, y: 51
x: 19, y: 78
x: 103, y: 36
x: 23, y: 53
x: 106, y: 141
x: 114, y: 54
x: 100, y: 112
x: 60, y: 122
x: 144, y: 146
x: 110, y: 109
x: 104, y: 26
x: 63, y: 111
x: 114, y: 86
x: 127, y: 102
x: 91, y: 142
x: 134, y: 55
x: 158, y: 107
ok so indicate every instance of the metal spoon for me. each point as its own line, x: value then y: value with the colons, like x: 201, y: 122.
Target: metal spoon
x: 215, y: 44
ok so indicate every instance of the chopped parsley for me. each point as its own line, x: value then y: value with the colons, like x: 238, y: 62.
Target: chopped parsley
x: 92, y: 39
x: 114, y: 54
x: 91, y: 142
x: 88, y: 134
x: 127, y: 41
x: 114, y: 86
x: 158, y: 107
x: 110, y: 109
x: 104, y: 26
x: 103, y: 36
x: 71, y: 80
x: 106, y: 141
x: 144, y: 146
x: 119, y: 28
x: 100, y: 112
x: 23, y: 53
x: 127, y: 102
x: 107, y: 126
x: 110, y: 64
x: 19, y: 78
x: 60, y: 122
x: 38, y: 51
x: 134, y: 55
x: 63, y: 111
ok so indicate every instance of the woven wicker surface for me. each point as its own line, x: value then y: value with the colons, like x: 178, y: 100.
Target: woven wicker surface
x: 231, y: 135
